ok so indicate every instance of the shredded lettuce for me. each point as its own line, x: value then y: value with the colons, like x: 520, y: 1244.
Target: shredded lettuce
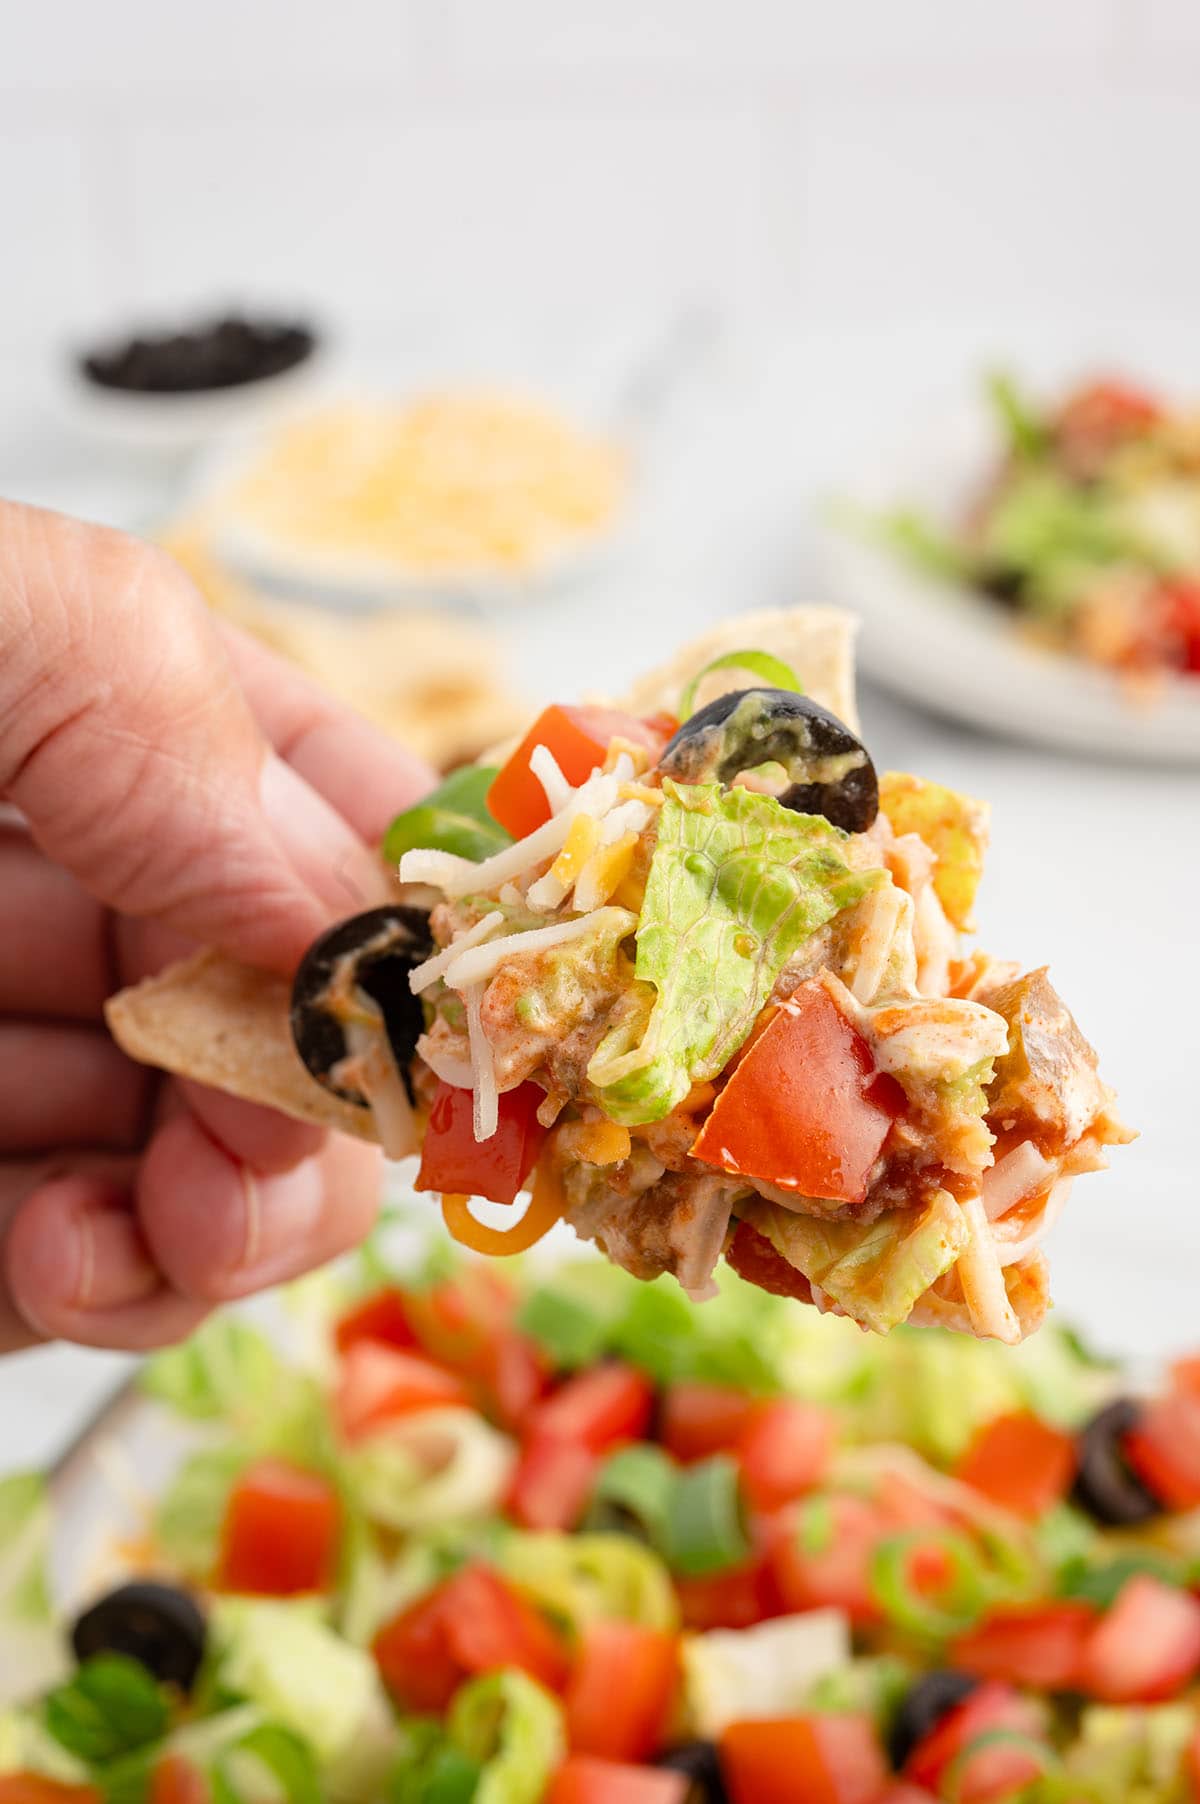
x: 515, y: 1728
x: 767, y: 1670
x: 737, y: 884
x: 1026, y: 433
x: 229, y: 1372
x: 187, y: 1521
x: 1131, y: 1755
x: 876, y: 1270
x: 284, y: 1658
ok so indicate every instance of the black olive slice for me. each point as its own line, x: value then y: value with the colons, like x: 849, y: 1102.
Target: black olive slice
x: 925, y: 1703
x: 1105, y: 1485
x: 828, y: 769
x: 373, y: 952
x: 160, y: 1627
x: 700, y: 1765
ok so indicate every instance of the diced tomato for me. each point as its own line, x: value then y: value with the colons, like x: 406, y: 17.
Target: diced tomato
x: 784, y: 1452
x: 471, y: 1623
x: 1180, y: 597
x: 698, y: 1420
x: 1021, y: 1463
x: 380, y: 1384
x: 907, y: 1794
x: 32, y: 1788
x: 1185, y: 1375
x: 1146, y: 1648
x: 751, y: 1256
x: 826, y: 1559
x: 515, y: 1376
x: 453, y: 1161
x: 1164, y: 1449
x: 579, y: 739
x: 176, y: 1781
x: 552, y: 1482
x: 1040, y: 1647
x: 734, y: 1599
x: 457, y: 1320
x: 598, y: 1408
x: 805, y: 1108
x: 989, y: 1708
x: 581, y: 1779
x: 822, y: 1759
x: 381, y: 1317
x: 1108, y: 410
x: 280, y: 1532
x: 621, y: 1691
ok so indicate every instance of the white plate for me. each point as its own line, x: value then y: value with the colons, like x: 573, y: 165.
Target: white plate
x: 947, y: 648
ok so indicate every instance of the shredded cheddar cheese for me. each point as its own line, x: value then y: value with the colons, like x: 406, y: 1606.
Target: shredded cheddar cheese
x: 582, y: 841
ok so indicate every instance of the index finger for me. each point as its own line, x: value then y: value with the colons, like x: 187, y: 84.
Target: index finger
x: 358, y: 769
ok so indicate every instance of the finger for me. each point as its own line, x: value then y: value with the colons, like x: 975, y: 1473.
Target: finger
x: 54, y: 951
x: 127, y: 743
x: 218, y: 1230
x: 261, y: 1138
x: 68, y: 1086
x: 365, y: 774
x: 77, y: 1268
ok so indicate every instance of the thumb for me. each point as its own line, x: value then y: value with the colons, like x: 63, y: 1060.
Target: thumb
x: 129, y: 747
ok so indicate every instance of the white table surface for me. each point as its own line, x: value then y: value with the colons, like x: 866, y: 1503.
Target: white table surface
x: 1094, y: 869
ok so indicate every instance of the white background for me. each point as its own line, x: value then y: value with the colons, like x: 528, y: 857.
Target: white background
x: 868, y: 196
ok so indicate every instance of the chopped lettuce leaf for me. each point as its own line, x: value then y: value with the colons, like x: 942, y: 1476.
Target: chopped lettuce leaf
x: 873, y: 1686
x: 582, y: 1578
x: 1026, y: 434
x: 432, y: 1770
x: 737, y: 884
x: 187, y: 1521
x: 924, y: 544
x: 453, y: 818
x: 767, y: 1670
x: 953, y: 826
x: 282, y: 1657
x: 24, y: 1544
x: 875, y: 1270
x: 1132, y: 1755
x: 272, y: 1762
x: 27, y: 1746
x: 434, y: 1467
x: 514, y: 1726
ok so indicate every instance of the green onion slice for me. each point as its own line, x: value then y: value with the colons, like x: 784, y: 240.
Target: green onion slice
x: 454, y: 818
x: 705, y: 1532
x: 569, y: 1328
x: 639, y: 1480
x: 958, y: 1602
x: 760, y: 663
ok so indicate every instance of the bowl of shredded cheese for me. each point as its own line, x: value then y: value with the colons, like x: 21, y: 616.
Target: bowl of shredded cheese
x: 476, y: 495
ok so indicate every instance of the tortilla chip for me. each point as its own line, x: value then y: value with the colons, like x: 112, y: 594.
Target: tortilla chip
x: 818, y: 643
x: 226, y: 1025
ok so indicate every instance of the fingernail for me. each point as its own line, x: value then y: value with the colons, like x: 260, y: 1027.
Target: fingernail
x: 281, y: 1216
x: 322, y: 848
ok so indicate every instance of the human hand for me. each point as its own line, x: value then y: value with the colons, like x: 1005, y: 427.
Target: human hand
x: 178, y: 784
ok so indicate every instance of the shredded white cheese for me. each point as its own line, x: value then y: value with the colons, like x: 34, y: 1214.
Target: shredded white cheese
x: 483, y: 1067
x: 1019, y: 1174
x: 442, y: 869
x: 424, y: 976
x: 377, y: 1076
x: 460, y: 877
x: 880, y: 916
x: 480, y: 963
x: 548, y: 771
x: 982, y: 1279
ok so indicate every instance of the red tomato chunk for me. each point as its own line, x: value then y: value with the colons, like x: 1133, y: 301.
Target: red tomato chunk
x: 471, y: 1623
x: 822, y: 1759
x: 1040, y: 1646
x: 1147, y: 1647
x: 805, y: 1108
x: 621, y: 1691
x: 280, y: 1533
x: 380, y: 1384
x: 599, y: 1409
x: 453, y: 1161
x: 1021, y: 1463
x: 584, y: 1780
x: 552, y: 1483
x: 381, y: 1317
x: 784, y: 1451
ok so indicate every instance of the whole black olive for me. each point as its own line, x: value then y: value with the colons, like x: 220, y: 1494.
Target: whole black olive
x: 925, y: 1703
x: 829, y: 770
x: 161, y: 1628
x: 700, y: 1765
x: 1105, y: 1485
x: 372, y: 952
